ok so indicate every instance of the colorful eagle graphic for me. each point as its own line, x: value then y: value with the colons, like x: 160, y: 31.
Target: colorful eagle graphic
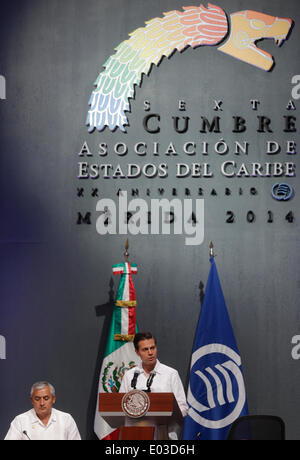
x: 177, y: 30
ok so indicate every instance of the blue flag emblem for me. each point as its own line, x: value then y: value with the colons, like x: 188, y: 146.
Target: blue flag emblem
x: 216, y: 394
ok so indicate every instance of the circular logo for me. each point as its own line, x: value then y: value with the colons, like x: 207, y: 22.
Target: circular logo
x: 217, y: 392
x: 135, y: 403
x: 282, y: 192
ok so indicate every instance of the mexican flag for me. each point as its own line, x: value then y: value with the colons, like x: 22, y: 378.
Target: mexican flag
x: 119, y: 354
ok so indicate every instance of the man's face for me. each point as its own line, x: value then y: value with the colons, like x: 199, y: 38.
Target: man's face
x: 147, y: 352
x: 42, y: 401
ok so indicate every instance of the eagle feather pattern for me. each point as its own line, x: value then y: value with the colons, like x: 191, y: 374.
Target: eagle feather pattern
x: 147, y: 46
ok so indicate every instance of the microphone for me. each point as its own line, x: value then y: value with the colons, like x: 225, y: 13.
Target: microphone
x: 135, y: 377
x: 150, y: 380
x: 25, y: 432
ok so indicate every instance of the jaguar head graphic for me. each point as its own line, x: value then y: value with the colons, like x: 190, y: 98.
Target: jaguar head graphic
x: 247, y: 27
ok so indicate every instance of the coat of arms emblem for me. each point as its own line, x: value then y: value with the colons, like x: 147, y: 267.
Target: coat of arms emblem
x: 135, y: 403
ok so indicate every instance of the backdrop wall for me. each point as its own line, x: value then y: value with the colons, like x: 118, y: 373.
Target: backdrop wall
x: 56, y: 279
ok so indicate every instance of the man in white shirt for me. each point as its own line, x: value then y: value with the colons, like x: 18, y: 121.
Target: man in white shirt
x: 165, y: 379
x: 43, y: 422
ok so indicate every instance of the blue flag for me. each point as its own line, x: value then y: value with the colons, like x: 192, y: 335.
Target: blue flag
x: 216, y: 394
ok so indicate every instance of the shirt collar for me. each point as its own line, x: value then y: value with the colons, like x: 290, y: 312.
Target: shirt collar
x: 35, y: 419
x: 157, y: 368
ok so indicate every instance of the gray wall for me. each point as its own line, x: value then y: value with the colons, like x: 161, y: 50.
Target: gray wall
x: 56, y: 276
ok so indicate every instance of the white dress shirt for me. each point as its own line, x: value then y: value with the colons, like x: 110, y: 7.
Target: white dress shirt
x: 61, y: 426
x: 166, y: 380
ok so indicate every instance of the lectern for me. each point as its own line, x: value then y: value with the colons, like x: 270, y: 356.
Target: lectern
x: 163, y: 410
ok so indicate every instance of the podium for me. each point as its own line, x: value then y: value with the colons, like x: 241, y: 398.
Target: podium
x: 163, y: 411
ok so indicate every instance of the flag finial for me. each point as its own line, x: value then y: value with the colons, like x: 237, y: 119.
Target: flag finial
x: 126, y: 253
x: 211, y: 250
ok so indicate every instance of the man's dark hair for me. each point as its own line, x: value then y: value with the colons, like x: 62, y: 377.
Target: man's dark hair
x: 142, y: 336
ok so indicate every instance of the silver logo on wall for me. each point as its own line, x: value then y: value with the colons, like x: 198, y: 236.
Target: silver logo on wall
x: 282, y: 192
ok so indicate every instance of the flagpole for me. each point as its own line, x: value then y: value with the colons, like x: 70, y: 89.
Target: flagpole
x: 126, y: 253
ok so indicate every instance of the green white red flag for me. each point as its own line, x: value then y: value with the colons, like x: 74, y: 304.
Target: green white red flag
x: 119, y: 354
